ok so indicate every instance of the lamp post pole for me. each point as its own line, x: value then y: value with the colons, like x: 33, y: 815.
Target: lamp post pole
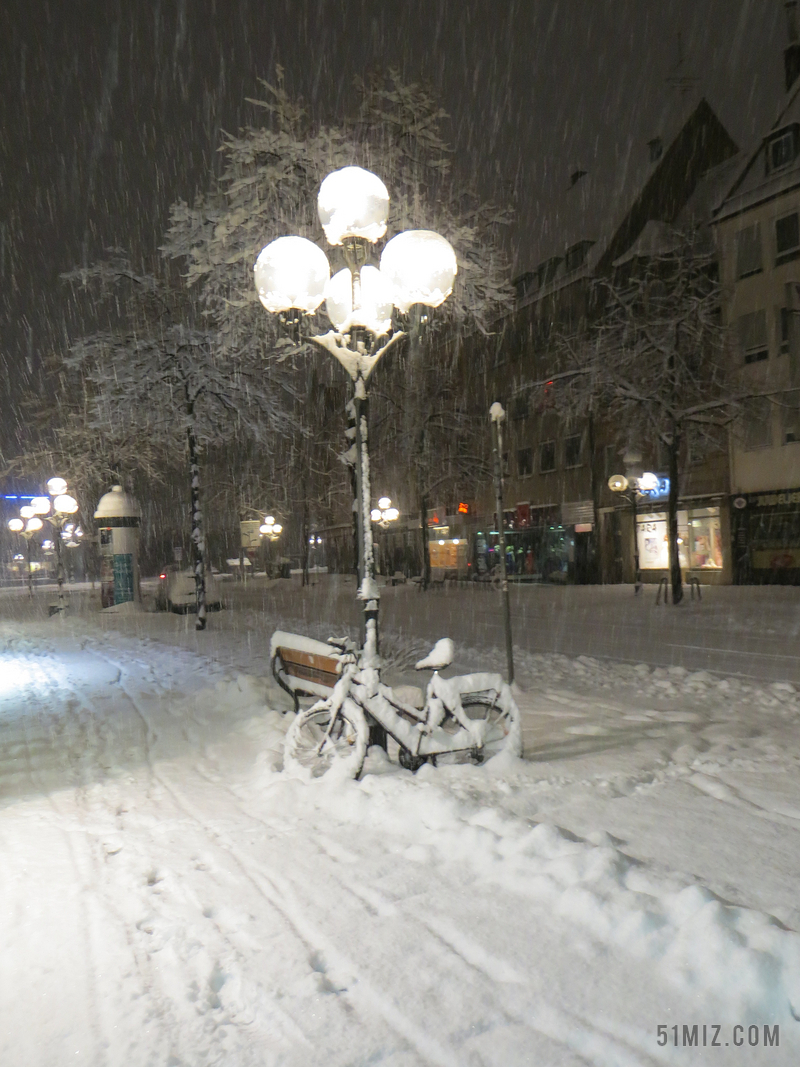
x: 497, y: 415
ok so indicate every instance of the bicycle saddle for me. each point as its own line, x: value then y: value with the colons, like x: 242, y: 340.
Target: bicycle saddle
x: 439, y: 657
x: 343, y: 644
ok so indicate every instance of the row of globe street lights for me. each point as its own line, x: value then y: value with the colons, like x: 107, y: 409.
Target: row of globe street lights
x: 293, y: 277
x: 58, y: 513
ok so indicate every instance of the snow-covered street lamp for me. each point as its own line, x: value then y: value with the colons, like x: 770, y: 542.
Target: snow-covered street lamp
x: 27, y: 526
x: 384, y: 513
x: 64, y: 507
x: 292, y: 279
x: 269, y: 528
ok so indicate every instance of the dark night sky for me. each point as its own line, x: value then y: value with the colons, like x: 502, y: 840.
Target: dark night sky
x: 110, y: 111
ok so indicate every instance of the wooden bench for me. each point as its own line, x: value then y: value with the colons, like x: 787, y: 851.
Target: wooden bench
x: 302, y: 666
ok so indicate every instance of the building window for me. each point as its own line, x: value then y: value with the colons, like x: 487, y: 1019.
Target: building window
x: 611, y: 461
x: 524, y: 462
x: 790, y: 413
x: 784, y: 316
x: 782, y: 149
x: 547, y: 457
x: 748, y: 251
x: 787, y: 239
x: 758, y: 424
x: 753, y: 336
x: 572, y: 450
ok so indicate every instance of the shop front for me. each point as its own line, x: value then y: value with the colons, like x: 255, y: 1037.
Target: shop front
x: 701, y: 542
x: 539, y: 546
x: 765, y: 535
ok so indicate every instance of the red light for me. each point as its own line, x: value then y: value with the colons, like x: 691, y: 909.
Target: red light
x: 463, y: 509
x: 162, y: 576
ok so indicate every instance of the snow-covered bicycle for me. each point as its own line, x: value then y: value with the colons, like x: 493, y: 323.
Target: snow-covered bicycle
x: 471, y: 717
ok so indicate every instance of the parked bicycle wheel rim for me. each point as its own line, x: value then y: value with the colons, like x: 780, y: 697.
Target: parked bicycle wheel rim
x: 308, y: 753
x: 500, y: 714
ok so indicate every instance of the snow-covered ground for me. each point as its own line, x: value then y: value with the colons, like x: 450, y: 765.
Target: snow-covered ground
x: 169, y: 896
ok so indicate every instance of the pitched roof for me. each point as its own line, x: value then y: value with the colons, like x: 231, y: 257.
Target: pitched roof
x: 609, y: 208
x: 753, y: 184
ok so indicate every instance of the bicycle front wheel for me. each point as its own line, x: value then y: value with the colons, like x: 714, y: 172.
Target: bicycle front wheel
x: 499, y: 715
x: 313, y: 752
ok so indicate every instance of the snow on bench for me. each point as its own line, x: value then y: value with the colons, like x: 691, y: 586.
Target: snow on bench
x: 303, y: 666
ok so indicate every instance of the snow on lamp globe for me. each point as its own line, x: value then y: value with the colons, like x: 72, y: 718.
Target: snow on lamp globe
x: 353, y: 203
x: 422, y: 267
x: 291, y: 273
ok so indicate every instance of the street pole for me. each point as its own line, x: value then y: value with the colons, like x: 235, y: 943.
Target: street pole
x: 367, y: 591
x: 637, y: 571
x: 30, y: 576
x: 497, y: 414
x: 59, y: 566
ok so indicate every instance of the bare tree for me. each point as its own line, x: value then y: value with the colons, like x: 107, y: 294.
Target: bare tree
x: 654, y: 364
x: 155, y: 370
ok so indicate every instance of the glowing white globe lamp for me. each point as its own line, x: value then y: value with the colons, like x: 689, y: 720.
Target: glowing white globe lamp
x: 276, y: 527
x: 16, y: 525
x: 648, y: 481
x: 390, y: 514
x: 375, y: 515
x: 291, y: 272
x: 33, y: 525
x: 64, y: 504
x: 41, y: 505
x: 27, y: 512
x: 376, y: 301
x: 422, y: 267
x: 353, y: 202
x: 617, y: 483
x: 56, y: 486
x: 270, y: 520
x: 384, y: 502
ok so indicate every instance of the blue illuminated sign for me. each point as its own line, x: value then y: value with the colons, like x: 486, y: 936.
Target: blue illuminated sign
x: 660, y: 491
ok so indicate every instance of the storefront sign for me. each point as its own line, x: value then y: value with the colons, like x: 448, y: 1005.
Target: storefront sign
x: 660, y: 491
x: 769, y: 500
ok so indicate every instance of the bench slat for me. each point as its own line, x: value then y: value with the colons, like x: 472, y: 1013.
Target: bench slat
x: 328, y: 664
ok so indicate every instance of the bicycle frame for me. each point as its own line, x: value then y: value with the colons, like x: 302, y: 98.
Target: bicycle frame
x: 418, y: 731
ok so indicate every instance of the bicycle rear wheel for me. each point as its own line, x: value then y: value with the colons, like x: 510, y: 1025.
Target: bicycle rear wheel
x: 502, y: 730
x: 309, y: 753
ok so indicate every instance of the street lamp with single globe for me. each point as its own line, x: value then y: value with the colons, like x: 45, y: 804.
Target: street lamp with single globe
x: 292, y: 279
